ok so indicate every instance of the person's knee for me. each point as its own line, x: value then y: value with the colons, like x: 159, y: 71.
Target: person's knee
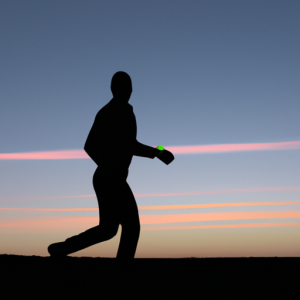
x: 138, y: 229
x: 132, y: 229
x: 111, y: 231
x: 135, y: 227
x: 114, y: 231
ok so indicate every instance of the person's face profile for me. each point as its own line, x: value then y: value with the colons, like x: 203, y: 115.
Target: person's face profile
x: 126, y: 96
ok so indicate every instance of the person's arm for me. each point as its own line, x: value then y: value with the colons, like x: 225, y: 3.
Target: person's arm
x: 140, y: 149
x: 95, y: 142
x: 91, y: 153
x: 146, y: 151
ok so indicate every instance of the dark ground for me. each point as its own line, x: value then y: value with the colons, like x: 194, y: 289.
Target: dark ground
x: 107, y: 278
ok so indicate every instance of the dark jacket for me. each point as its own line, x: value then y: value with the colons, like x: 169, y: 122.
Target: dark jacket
x: 112, y: 142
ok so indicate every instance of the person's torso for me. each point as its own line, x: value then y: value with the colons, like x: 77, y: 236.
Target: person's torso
x: 112, y: 137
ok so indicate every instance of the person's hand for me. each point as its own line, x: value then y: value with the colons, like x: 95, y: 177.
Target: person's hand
x: 165, y: 156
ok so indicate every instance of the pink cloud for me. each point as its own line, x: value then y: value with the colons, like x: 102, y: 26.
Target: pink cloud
x: 80, y: 154
x: 234, y: 147
x: 62, y: 154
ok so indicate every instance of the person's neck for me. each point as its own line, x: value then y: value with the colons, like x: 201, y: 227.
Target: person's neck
x: 120, y: 100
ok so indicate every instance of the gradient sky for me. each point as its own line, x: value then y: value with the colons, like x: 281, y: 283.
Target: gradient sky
x: 210, y: 79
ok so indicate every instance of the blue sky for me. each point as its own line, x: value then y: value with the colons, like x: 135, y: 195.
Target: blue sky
x: 203, y: 72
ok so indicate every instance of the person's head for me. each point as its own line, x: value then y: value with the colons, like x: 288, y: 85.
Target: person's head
x: 121, y: 86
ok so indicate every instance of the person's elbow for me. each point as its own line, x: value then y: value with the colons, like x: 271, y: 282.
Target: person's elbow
x: 87, y: 149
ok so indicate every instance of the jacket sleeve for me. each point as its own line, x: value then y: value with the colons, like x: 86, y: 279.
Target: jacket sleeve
x: 140, y: 149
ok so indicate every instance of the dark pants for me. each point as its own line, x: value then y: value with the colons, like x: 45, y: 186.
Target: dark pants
x: 117, y: 206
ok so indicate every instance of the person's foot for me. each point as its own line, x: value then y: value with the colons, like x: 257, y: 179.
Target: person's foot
x: 57, y: 250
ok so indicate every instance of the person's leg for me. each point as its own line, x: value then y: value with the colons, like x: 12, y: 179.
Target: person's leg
x: 92, y: 236
x: 109, y: 222
x: 130, y: 225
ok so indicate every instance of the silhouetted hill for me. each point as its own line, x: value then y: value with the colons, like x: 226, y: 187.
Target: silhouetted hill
x: 205, y: 278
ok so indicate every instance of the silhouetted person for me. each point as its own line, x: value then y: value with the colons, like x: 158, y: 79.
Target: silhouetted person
x: 111, y: 144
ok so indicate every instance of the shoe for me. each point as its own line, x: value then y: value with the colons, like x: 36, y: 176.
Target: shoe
x: 57, y: 250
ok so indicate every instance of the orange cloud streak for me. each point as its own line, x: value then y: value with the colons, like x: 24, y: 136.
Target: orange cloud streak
x: 223, y: 226
x: 151, y: 207
x: 52, y: 223
x: 181, y: 218
x: 81, y: 154
x: 71, y: 222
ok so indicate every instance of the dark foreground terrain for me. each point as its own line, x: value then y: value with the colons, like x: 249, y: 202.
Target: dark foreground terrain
x: 107, y: 278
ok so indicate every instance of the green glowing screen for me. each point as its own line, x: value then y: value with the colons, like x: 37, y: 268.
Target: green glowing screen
x: 160, y: 147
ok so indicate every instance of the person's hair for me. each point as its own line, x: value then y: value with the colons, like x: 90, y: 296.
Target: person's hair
x: 121, y: 83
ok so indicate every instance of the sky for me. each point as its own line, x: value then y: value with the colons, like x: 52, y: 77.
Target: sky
x: 215, y: 82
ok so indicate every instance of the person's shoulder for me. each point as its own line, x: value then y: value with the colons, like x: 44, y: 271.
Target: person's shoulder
x: 104, y: 111
x: 114, y: 108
